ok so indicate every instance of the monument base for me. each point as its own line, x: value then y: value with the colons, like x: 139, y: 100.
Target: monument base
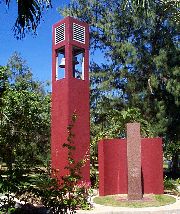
x: 135, y: 197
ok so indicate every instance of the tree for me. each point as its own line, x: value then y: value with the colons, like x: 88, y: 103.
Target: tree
x: 25, y: 116
x: 145, y: 6
x: 29, y: 15
x: 142, y: 69
x: 24, y: 128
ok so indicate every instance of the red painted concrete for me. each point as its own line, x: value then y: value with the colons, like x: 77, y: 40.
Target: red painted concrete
x: 152, y: 165
x: 112, y: 156
x: 68, y: 95
x: 112, y: 166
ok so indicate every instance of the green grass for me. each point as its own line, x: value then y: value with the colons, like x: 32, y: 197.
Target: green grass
x: 148, y: 201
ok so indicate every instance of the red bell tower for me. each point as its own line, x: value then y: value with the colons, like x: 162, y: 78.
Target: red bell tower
x: 70, y: 92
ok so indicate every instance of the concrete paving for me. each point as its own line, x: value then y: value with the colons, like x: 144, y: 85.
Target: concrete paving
x: 101, y: 209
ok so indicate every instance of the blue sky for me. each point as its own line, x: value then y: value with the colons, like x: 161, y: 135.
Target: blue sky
x: 36, y: 50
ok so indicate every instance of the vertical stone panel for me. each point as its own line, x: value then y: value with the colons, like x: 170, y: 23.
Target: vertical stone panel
x: 134, y: 161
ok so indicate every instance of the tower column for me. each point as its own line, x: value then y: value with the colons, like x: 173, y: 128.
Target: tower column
x: 70, y: 93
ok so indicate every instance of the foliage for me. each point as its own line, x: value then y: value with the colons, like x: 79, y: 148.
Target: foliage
x: 83, y: 192
x: 24, y: 126
x: 12, y: 181
x: 170, y: 184
x: 41, y: 186
x: 145, y: 6
x: 140, y: 72
x: 94, y: 177
x: 25, y: 113
x: 29, y: 14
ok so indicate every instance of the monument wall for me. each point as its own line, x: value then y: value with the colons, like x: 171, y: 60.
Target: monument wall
x: 113, y: 174
x: 112, y: 166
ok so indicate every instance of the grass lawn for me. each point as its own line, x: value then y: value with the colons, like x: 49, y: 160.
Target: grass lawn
x: 147, y: 201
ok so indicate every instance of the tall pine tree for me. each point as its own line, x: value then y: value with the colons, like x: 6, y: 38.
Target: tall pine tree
x: 141, y: 72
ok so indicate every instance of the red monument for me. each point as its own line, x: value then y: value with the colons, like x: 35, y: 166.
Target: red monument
x: 123, y: 161
x: 70, y: 93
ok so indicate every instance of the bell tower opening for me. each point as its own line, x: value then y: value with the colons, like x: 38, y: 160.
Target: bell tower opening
x: 78, y: 63
x: 60, y: 63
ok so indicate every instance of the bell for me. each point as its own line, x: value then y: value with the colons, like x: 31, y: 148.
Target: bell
x: 62, y: 64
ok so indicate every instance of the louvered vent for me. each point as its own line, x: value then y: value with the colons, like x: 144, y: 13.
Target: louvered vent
x: 60, y: 33
x: 78, y: 33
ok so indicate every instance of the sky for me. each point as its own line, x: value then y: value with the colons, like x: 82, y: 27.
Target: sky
x: 36, y: 50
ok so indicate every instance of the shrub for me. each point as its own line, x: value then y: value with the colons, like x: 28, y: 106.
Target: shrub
x: 58, y: 196
x: 170, y: 184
